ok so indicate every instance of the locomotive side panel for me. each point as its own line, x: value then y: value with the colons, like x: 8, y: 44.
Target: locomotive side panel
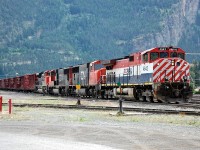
x: 129, y: 75
x: 70, y: 76
x: 84, y: 74
x: 96, y: 72
x: 61, y: 78
x: 75, y: 76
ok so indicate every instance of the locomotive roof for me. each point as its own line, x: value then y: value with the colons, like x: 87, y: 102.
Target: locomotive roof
x: 143, y: 52
x: 162, y: 48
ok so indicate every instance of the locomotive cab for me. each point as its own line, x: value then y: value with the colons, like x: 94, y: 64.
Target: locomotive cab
x: 164, y: 52
x: 49, y: 81
x: 97, y: 73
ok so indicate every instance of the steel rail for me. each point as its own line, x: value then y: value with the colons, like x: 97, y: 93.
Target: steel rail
x: 142, y: 110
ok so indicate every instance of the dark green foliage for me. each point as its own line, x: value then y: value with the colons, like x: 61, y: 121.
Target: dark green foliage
x: 195, y: 73
x: 58, y: 33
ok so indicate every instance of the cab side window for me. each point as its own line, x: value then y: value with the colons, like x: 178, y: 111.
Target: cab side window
x: 145, y: 57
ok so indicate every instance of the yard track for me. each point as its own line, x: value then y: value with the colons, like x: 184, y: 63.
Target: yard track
x: 191, y: 108
x: 129, y: 109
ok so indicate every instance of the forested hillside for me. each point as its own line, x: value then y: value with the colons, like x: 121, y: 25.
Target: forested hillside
x: 37, y: 35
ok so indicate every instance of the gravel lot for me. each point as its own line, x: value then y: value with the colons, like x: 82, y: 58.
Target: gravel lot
x: 42, y: 128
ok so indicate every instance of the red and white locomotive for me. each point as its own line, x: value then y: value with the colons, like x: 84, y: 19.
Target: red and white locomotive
x: 157, y: 74
x: 160, y: 74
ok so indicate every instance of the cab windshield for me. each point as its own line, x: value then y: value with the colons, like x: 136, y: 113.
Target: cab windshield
x: 180, y: 55
x: 154, y: 56
x: 173, y: 54
x: 163, y: 55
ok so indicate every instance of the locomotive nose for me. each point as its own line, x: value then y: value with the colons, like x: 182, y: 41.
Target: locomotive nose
x: 172, y: 70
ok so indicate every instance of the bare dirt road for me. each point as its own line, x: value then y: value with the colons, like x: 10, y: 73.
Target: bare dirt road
x: 52, y: 129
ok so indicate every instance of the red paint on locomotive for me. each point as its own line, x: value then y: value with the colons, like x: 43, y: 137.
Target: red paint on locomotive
x: 96, y: 72
x: 50, y: 77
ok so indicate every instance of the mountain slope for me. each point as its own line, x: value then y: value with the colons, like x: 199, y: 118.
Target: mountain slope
x: 37, y: 35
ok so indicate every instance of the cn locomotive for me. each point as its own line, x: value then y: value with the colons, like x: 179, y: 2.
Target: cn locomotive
x: 158, y: 74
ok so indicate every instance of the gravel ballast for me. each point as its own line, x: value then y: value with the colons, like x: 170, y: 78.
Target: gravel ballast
x: 48, y: 128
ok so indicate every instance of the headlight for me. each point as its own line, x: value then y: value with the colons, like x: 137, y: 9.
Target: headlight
x: 166, y: 87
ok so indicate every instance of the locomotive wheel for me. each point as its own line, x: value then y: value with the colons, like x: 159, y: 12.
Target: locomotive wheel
x: 151, y: 99
x: 93, y: 93
x: 187, y: 100
x: 144, y: 99
x: 102, y: 94
x: 136, y: 97
x: 177, y: 102
x: 135, y: 94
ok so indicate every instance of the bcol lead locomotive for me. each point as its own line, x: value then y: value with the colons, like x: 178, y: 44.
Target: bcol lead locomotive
x: 158, y: 74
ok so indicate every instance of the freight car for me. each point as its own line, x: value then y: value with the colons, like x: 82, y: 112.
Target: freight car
x: 20, y: 83
x: 160, y: 74
x: 157, y: 74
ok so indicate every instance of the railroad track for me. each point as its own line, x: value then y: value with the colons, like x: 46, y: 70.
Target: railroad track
x: 194, y: 104
x: 196, y: 98
x: 142, y: 110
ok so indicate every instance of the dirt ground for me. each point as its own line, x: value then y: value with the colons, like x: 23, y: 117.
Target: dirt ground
x: 42, y: 128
